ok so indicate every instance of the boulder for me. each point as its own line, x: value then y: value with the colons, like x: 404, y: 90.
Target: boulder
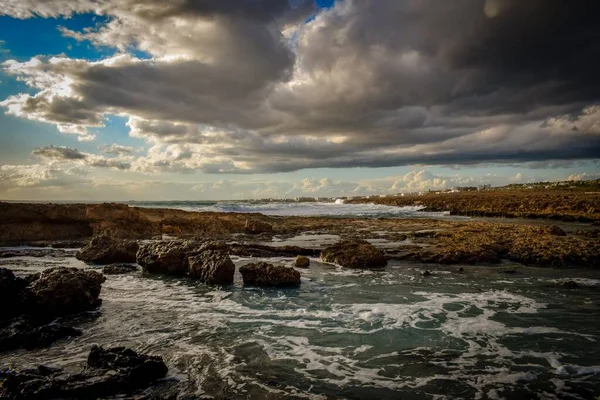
x: 119, y: 269
x: 265, y: 274
x: 256, y: 226
x: 302, y: 262
x: 26, y: 333
x: 212, y: 267
x: 12, y: 291
x: 552, y: 230
x: 354, y: 253
x: 109, y: 372
x: 169, y: 257
x: 106, y: 250
x: 62, y: 290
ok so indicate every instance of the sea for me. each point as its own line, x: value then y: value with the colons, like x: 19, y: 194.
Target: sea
x: 347, y: 334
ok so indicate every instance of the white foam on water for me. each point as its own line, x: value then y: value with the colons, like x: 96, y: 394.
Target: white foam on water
x: 332, y: 209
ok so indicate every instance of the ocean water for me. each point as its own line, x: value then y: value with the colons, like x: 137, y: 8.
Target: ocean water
x: 330, y: 209
x: 389, y: 334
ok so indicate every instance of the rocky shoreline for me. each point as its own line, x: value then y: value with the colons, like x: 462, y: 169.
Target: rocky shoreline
x: 199, y: 246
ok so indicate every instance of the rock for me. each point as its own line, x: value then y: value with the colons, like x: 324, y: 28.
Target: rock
x: 13, y: 293
x: 510, y: 271
x: 570, y: 284
x: 106, y: 250
x: 169, y: 257
x: 62, y: 290
x: 302, y: 262
x: 258, y: 250
x: 24, y: 333
x: 109, y: 372
x: 426, y: 274
x: 265, y: 274
x: 212, y: 267
x: 552, y: 230
x: 354, y: 254
x: 119, y: 269
x: 256, y: 226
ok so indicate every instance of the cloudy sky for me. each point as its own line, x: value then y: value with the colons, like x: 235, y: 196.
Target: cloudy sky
x: 212, y: 99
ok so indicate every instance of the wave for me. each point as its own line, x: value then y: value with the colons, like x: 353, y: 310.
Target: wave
x: 330, y: 209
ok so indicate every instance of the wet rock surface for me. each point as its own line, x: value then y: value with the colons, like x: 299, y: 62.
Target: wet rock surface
x: 167, y: 257
x: 119, y: 269
x: 108, y: 372
x: 212, y: 267
x: 354, y: 253
x: 302, y: 262
x: 106, y: 250
x: 38, y: 298
x: 62, y: 290
x: 265, y: 274
x: 256, y: 226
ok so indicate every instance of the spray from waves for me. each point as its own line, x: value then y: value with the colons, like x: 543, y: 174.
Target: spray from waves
x: 329, y: 209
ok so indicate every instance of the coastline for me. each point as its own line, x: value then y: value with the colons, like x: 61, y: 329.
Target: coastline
x: 425, y: 240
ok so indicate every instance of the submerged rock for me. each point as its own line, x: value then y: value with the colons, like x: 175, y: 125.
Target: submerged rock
x: 354, y: 253
x: 302, y: 262
x: 119, y: 269
x: 62, y: 290
x: 25, y: 333
x: 256, y: 226
x: 212, y: 267
x: 106, y: 250
x: 109, y: 372
x: 570, y: 284
x: 265, y: 274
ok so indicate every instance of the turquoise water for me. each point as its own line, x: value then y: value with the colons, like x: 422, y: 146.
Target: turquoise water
x: 354, y: 334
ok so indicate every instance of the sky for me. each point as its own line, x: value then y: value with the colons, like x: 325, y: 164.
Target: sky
x: 208, y: 99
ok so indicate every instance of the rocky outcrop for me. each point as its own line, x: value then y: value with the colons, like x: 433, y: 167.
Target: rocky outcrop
x: 121, y: 221
x: 62, y: 290
x: 37, y: 299
x: 119, y: 269
x: 258, y: 250
x: 256, y: 226
x: 212, y: 267
x: 106, y: 250
x: 109, y: 372
x: 265, y: 274
x: 27, y: 333
x: 354, y: 253
x: 13, y: 293
x: 302, y: 262
x: 168, y: 257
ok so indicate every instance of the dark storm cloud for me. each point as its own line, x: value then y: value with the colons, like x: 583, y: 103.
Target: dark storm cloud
x: 235, y: 86
x: 59, y: 153
x: 66, y: 154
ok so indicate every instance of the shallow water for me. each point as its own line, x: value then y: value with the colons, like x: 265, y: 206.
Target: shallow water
x: 352, y: 334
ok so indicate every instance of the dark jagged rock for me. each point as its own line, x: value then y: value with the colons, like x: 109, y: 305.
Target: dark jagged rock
x: 265, y: 274
x: 426, y: 274
x: 257, y: 250
x: 119, y: 269
x: 256, y: 226
x: 302, y: 262
x: 12, y: 291
x: 24, y: 333
x: 570, y: 284
x: 35, y: 299
x: 552, y: 230
x: 109, y: 372
x: 212, y: 267
x: 62, y: 290
x: 354, y: 253
x: 170, y: 257
x: 106, y: 250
